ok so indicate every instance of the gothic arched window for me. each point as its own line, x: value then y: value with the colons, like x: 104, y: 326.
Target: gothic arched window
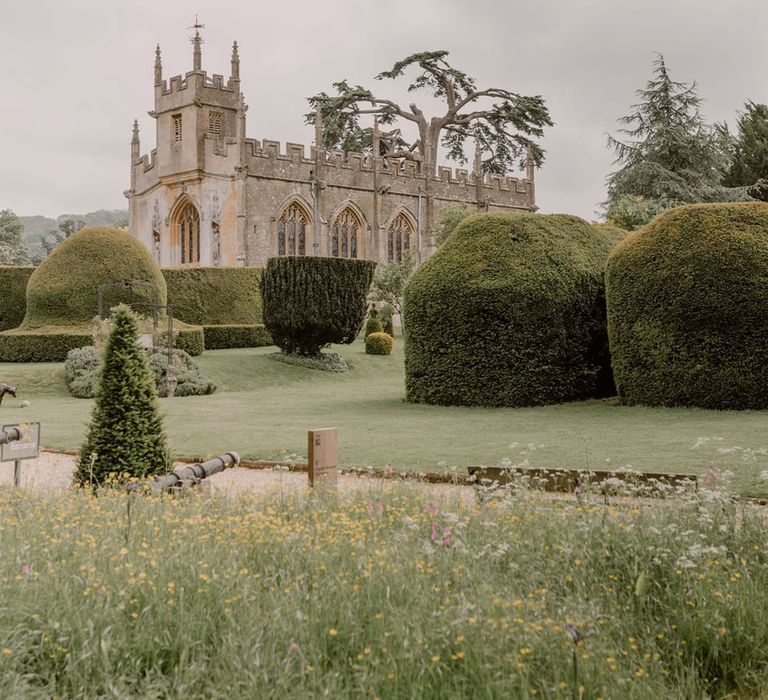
x: 399, y: 238
x: 346, y: 235
x: 186, y: 232
x: 292, y: 228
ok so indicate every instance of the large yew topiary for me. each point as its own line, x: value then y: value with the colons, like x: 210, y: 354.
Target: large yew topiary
x: 688, y: 308
x: 126, y: 433
x: 310, y: 302
x: 510, y: 312
x: 62, y: 295
x: 64, y: 289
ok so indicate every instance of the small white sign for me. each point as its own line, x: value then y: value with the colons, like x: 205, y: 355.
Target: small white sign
x: 146, y: 341
x: 28, y: 447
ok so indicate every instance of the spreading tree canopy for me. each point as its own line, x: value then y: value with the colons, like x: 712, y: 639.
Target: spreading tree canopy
x: 504, y: 123
x: 667, y: 151
x: 749, y: 166
x: 13, y: 249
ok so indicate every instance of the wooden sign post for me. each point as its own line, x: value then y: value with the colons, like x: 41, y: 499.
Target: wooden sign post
x: 27, y: 447
x: 322, y: 456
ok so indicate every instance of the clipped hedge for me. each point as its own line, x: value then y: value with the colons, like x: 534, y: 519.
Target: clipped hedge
x: 379, y: 343
x: 52, y: 345
x: 233, y: 335
x: 64, y: 289
x: 688, y: 308
x: 13, y: 294
x: 213, y: 296
x: 310, y: 302
x: 509, y: 312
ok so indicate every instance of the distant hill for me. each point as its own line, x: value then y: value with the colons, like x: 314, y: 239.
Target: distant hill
x: 35, y: 227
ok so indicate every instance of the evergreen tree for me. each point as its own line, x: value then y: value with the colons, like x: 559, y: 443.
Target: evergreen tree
x: 669, y: 152
x: 750, y: 152
x: 13, y: 249
x: 126, y: 433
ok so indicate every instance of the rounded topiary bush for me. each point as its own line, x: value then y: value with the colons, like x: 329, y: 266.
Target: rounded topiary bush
x: 310, y: 302
x: 379, y: 343
x: 64, y: 289
x: 509, y: 312
x: 688, y: 308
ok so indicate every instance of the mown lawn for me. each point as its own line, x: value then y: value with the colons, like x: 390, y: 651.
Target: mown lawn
x: 263, y: 410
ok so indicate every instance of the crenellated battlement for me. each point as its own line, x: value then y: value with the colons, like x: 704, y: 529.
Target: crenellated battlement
x: 179, y: 83
x: 387, y: 168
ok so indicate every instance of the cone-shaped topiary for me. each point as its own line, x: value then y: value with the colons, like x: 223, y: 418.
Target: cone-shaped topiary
x: 373, y: 324
x: 688, y: 308
x: 510, y: 312
x: 126, y: 433
x: 311, y: 302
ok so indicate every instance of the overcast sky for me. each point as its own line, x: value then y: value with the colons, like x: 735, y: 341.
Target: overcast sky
x: 77, y: 73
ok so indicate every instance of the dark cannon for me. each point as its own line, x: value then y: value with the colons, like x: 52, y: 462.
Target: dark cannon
x: 194, y: 474
x: 9, y: 435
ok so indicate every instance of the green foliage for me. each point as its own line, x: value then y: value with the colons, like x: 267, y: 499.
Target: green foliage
x: 503, y: 123
x: 235, y: 335
x: 64, y: 289
x: 379, y: 343
x: 389, y: 282
x: 373, y: 324
x: 688, y: 308
x: 13, y: 249
x: 449, y: 218
x: 215, y: 295
x: 510, y: 312
x: 83, y: 367
x: 669, y: 152
x: 49, y: 344
x: 126, y: 433
x: 312, y: 302
x: 631, y: 212
x: 13, y: 299
x: 749, y: 166
x: 190, y: 339
x: 67, y: 227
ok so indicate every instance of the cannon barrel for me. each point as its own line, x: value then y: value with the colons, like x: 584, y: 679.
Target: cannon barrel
x: 9, y: 435
x: 194, y: 474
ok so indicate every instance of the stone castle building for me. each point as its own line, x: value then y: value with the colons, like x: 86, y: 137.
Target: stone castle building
x: 208, y: 195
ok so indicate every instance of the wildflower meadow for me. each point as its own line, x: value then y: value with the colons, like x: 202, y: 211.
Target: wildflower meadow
x: 391, y: 592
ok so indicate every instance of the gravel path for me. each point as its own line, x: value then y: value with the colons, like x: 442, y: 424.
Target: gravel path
x: 53, y: 470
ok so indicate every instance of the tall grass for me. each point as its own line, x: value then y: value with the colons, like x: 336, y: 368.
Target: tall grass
x: 388, y: 594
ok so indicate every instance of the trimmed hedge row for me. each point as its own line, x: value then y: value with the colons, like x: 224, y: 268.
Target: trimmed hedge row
x: 510, y: 312
x: 311, y: 302
x: 688, y: 308
x: 233, y: 335
x: 13, y: 295
x: 64, y: 289
x: 213, y: 296
x: 50, y: 346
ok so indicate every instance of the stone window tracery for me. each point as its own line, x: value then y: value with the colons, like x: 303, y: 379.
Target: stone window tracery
x: 292, y: 229
x: 346, y: 234
x: 216, y: 124
x: 187, y: 235
x: 177, y: 128
x: 399, y: 238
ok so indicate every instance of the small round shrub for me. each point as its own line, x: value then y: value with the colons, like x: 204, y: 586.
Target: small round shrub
x: 386, y: 320
x: 509, y: 312
x: 373, y: 324
x: 379, y: 343
x: 688, y: 308
x: 310, y: 302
